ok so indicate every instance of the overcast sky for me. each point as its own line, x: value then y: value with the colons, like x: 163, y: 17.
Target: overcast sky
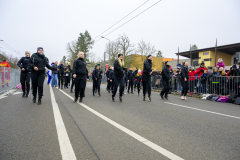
x: 28, y: 24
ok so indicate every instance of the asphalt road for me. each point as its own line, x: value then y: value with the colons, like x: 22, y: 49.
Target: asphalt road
x: 101, y: 129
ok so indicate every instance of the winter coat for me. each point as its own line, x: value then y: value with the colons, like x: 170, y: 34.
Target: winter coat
x: 118, y: 70
x: 204, y: 78
x: 40, y: 61
x: 184, y: 73
x: 111, y: 75
x: 192, y: 75
x: 200, y: 71
x: 166, y: 73
x: 130, y: 75
x: 23, y: 63
x: 61, y: 69
x: 79, y: 68
x: 96, y: 75
x: 220, y: 64
x: 55, y: 67
x: 147, y: 68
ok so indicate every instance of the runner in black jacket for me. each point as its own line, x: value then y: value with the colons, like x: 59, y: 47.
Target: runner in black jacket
x: 131, y: 79
x: 37, y: 64
x: 146, y: 77
x: 165, y: 81
x: 80, y: 74
x: 184, y: 80
x: 108, y: 79
x: 118, y: 77
x: 25, y: 73
x: 60, y: 75
x: 96, y: 76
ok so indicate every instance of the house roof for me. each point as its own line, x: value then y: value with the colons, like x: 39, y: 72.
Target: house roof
x: 230, y: 49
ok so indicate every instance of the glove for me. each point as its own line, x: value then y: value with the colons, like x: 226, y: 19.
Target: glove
x: 135, y: 80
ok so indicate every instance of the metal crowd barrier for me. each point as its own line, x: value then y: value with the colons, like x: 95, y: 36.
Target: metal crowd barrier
x: 9, y: 78
x: 219, y: 85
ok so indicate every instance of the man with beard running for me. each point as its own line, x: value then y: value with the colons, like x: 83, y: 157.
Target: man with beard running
x: 118, y: 77
x: 80, y: 75
x: 146, y: 77
x: 25, y: 73
x: 165, y: 81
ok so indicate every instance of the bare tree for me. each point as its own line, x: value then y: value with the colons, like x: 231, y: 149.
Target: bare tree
x: 126, y: 48
x: 114, y: 50
x: 72, y: 50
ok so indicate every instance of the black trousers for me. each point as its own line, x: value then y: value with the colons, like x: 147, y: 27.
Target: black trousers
x: 80, y: 85
x: 60, y: 80
x: 73, y: 82
x: 166, y: 86
x: 67, y: 80
x: 185, y: 87
x: 96, y: 85
x: 118, y: 80
x: 25, y: 80
x: 192, y: 85
x: 108, y: 85
x: 135, y: 85
x: 130, y: 85
x: 37, y: 82
x: 112, y: 86
x: 146, y: 81
x: 138, y: 86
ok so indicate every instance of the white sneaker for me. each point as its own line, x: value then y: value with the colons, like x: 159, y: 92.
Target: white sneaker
x: 185, y: 98
x: 182, y: 97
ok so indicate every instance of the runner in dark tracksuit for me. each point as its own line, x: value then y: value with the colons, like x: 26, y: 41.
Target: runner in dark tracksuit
x: 131, y: 79
x: 139, y: 79
x: 135, y: 74
x: 111, y: 80
x: 60, y: 75
x: 108, y: 80
x: 96, y: 76
x: 37, y: 64
x: 146, y: 77
x: 118, y: 77
x: 25, y: 73
x: 165, y: 81
x: 70, y: 70
x: 80, y: 73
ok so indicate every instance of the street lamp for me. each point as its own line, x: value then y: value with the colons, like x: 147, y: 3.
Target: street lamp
x: 109, y: 49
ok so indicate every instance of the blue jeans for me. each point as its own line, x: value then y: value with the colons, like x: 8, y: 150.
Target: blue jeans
x: 179, y: 88
x: 54, y: 79
x: 201, y: 87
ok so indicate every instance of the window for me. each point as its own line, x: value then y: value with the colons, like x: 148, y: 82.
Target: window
x: 206, y: 53
x: 195, y: 63
x: 209, y: 59
x: 199, y: 57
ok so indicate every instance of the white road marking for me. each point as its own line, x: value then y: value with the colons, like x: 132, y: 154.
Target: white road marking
x: 129, y: 132
x: 64, y: 142
x: 2, y: 96
x: 17, y: 93
x: 203, y: 110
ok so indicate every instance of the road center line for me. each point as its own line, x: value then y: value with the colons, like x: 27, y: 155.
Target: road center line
x: 64, y: 142
x: 203, y: 110
x: 129, y: 132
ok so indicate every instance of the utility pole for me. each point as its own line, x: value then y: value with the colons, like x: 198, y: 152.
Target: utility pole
x: 104, y: 58
x: 109, y: 49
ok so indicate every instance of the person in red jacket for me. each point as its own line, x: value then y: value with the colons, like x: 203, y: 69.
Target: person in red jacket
x: 199, y: 73
x: 7, y: 72
x: 192, y: 79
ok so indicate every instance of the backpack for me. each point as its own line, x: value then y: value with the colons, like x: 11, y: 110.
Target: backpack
x: 232, y: 97
x: 209, y: 97
x: 223, y: 99
x: 237, y: 101
x: 203, y: 80
x: 214, y: 98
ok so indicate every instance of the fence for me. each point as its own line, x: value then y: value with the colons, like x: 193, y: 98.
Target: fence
x: 219, y: 85
x: 9, y: 77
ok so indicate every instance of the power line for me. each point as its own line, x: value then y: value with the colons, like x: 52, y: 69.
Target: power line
x: 9, y: 47
x: 131, y: 19
x: 122, y: 19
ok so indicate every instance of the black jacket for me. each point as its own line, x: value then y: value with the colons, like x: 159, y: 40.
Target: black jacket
x: 184, y: 73
x: 79, y: 68
x: 118, y: 70
x: 135, y: 73
x: 69, y: 68
x: 61, y: 69
x: 130, y: 75
x: 39, y: 61
x: 55, y: 67
x: 147, y: 66
x: 166, y: 73
x: 23, y: 63
x: 67, y: 74
x: 111, y: 75
x: 107, y: 73
x: 96, y: 74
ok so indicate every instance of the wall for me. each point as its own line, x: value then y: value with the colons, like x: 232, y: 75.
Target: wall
x: 138, y: 60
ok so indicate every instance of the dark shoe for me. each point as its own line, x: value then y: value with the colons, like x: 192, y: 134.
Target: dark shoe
x: 23, y: 95
x: 34, y: 100
x: 113, y: 99
x: 108, y: 91
x: 93, y: 94
x: 128, y: 92
x: 162, y: 97
x: 99, y: 94
x: 166, y: 97
x: 71, y: 91
x: 149, y: 99
x: 75, y: 100
x: 143, y: 98
x: 120, y: 98
x: 80, y: 100
x: 39, y: 101
x: 27, y: 94
x: 132, y: 93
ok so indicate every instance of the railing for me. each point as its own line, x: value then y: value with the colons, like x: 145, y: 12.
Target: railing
x: 219, y: 85
x: 9, y: 78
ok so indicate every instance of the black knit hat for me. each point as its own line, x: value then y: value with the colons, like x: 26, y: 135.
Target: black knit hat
x: 39, y: 48
x: 166, y: 63
x: 120, y: 54
x: 149, y: 55
x: 202, y: 63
